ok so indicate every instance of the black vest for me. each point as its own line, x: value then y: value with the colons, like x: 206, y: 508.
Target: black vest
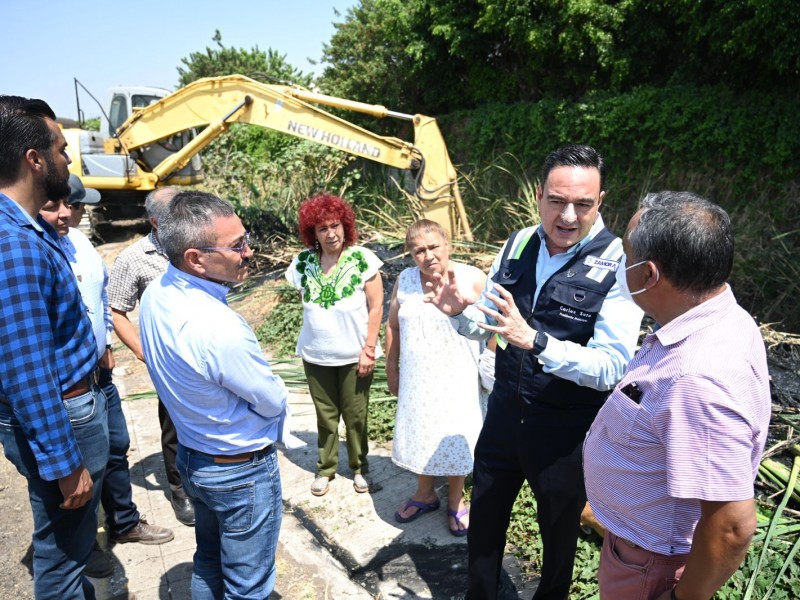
x: 566, y: 308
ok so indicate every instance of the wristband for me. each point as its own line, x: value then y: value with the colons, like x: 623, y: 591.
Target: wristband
x: 672, y: 595
x: 368, y: 355
x: 539, y: 343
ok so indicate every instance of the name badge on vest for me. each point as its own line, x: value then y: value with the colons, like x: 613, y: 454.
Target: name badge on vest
x: 601, y: 263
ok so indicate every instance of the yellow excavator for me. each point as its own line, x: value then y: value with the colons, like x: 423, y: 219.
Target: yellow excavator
x: 156, y: 144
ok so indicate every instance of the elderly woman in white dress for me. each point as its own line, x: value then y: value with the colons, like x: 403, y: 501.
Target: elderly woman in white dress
x: 434, y: 373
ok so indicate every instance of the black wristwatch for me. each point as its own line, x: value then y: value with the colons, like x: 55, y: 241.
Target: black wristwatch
x: 539, y: 343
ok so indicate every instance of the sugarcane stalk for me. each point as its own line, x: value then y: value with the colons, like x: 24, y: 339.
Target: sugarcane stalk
x: 779, y: 473
x: 791, y: 484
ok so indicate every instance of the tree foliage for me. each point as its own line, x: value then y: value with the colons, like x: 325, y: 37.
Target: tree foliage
x: 747, y: 43
x: 364, y: 52
x: 254, y: 63
x: 439, y: 55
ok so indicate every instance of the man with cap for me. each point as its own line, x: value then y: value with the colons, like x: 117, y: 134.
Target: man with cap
x: 124, y: 522
x: 79, y: 197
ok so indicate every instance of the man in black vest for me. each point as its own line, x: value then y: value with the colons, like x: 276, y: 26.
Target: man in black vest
x: 565, y: 336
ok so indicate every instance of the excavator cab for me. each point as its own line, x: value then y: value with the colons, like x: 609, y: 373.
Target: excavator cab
x: 123, y: 102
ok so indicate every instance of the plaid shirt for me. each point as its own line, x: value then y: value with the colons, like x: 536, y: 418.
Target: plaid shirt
x: 46, y: 339
x: 134, y: 269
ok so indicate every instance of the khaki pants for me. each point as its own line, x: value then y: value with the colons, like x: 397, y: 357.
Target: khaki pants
x: 630, y: 572
x: 339, y: 392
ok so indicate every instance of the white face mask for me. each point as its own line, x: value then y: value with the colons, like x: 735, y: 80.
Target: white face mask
x: 622, y: 279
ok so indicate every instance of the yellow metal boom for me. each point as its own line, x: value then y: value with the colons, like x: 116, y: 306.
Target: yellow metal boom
x: 216, y: 102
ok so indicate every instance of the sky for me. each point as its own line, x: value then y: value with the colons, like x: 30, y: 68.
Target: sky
x: 104, y: 43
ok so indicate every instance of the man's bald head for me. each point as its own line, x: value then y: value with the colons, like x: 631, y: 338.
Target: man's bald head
x: 156, y: 202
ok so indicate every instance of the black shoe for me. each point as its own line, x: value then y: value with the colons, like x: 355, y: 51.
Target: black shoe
x: 184, y: 510
x: 144, y: 533
x: 99, y: 565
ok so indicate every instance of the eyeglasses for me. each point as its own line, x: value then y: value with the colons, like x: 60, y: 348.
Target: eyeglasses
x: 240, y: 248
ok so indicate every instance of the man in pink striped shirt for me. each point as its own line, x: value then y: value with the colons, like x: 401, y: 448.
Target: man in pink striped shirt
x: 670, y: 460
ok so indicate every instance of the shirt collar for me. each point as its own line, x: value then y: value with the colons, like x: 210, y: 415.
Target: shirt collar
x: 697, y: 318
x: 153, y: 244
x: 22, y: 218
x: 186, y: 280
x: 18, y: 214
x: 596, y: 228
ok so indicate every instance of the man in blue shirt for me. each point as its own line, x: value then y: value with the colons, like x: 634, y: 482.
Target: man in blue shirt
x: 227, y: 405
x: 52, y: 415
x: 564, y: 337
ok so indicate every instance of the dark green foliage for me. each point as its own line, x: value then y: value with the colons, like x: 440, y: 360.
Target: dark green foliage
x: 748, y: 44
x: 365, y: 49
x: 667, y: 129
x: 436, y: 56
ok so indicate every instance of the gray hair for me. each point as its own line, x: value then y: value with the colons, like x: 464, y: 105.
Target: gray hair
x: 690, y: 237
x: 188, y: 222
x: 420, y: 228
x: 155, y: 203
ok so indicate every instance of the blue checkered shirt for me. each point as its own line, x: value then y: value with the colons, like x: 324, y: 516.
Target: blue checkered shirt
x: 46, y: 339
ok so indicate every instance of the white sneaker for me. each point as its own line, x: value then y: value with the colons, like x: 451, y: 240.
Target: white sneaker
x: 320, y: 486
x: 364, y: 483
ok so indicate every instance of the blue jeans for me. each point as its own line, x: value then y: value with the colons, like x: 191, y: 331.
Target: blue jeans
x: 62, y: 539
x: 116, y: 494
x: 237, y: 521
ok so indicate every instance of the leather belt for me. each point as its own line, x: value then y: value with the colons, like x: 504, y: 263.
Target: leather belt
x: 629, y: 544
x: 76, y: 389
x: 234, y: 458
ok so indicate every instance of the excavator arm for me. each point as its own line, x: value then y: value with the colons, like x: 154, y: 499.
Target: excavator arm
x: 214, y: 103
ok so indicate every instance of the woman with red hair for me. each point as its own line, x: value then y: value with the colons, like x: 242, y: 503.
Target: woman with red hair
x: 342, y: 293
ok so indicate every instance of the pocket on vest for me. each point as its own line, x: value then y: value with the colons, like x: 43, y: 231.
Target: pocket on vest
x: 576, y: 303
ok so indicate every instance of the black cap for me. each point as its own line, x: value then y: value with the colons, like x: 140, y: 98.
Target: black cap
x: 78, y: 193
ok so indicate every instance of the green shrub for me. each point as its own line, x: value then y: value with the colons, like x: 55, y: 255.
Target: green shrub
x: 281, y: 328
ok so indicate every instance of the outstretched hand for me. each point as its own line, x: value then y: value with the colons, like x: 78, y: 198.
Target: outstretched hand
x: 510, y: 323
x: 445, y: 295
